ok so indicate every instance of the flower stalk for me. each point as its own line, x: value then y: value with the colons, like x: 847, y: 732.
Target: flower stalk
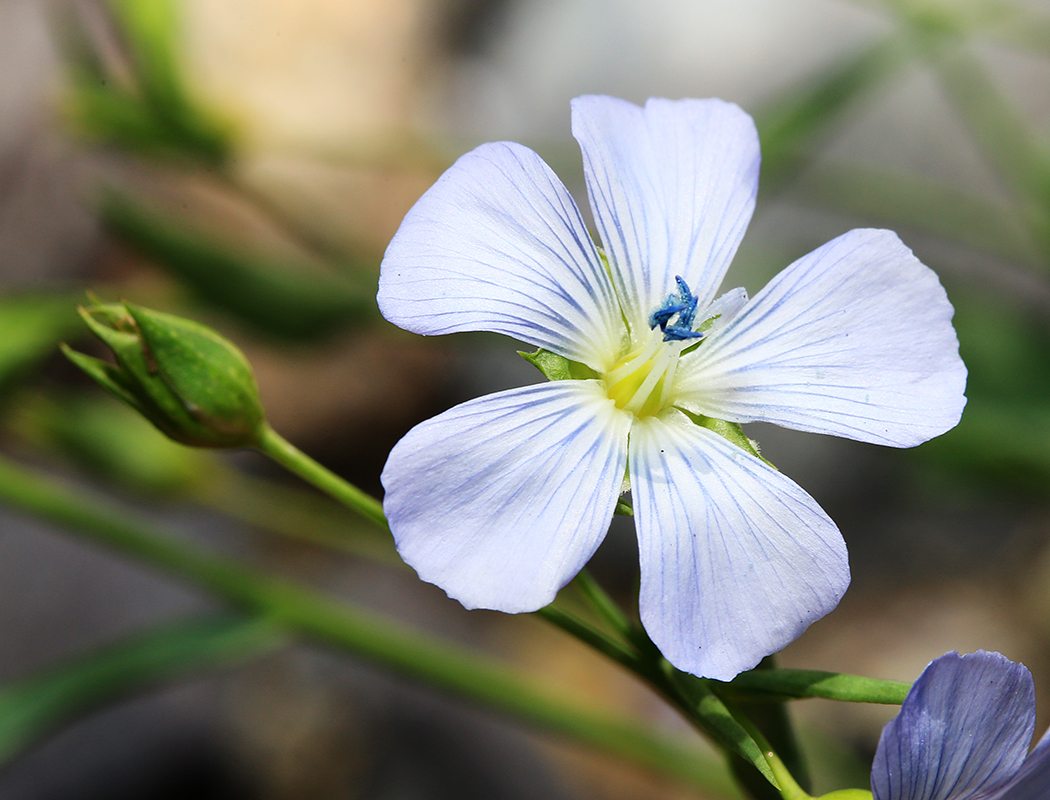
x: 381, y: 641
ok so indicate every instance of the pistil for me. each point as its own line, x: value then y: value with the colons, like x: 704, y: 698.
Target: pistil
x: 641, y: 383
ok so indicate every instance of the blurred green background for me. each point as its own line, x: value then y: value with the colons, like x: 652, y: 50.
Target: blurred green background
x: 245, y: 163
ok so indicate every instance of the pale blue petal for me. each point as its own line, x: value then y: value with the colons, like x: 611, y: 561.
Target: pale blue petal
x: 672, y: 186
x: 497, y: 244
x: 500, y: 501
x: 1032, y: 781
x: 962, y: 732
x: 854, y: 339
x: 736, y: 559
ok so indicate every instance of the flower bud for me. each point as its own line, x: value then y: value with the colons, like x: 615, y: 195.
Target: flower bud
x: 191, y: 383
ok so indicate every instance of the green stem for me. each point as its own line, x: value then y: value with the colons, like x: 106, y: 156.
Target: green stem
x: 381, y: 641
x: 291, y: 458
x: 645, y: 660
x: 591, y: 636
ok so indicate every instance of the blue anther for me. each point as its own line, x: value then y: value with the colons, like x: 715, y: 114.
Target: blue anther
x: 684, y: 305
x: 663, y: 314
x: 679, y: 334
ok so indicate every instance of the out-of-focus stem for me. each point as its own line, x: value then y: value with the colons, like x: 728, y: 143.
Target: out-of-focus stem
x: 381, y: 641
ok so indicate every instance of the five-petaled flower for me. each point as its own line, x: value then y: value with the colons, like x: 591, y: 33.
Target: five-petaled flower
x: 500, y: 501
x: 963, y: 734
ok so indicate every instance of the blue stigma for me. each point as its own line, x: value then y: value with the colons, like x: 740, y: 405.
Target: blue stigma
x: 684, y: 305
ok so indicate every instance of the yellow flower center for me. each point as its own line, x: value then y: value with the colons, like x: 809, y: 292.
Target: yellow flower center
x: 641, y: 381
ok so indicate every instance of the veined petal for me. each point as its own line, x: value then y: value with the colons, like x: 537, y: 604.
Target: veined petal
x: 500, y: 501
x: 962, y: 732
x: 672, y: 186
x: 854, y: 339
x: 736, y: 559
x: 1032, y: 781
x: 497, y: 244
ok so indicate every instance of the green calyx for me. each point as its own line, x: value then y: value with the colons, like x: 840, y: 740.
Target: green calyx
x: 847, y: 794
x: 191, y: 383
x: 730, y: 431
x: 558, y: 368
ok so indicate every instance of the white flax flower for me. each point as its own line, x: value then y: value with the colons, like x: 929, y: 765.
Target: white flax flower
x: 500, y: 501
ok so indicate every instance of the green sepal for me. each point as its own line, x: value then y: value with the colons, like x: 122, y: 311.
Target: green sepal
x: 192, y: 384
x: 558, y: 368
x: 846, y: 794
x: 105, y: 375
x: 623, y: 508
x: 730, y: 431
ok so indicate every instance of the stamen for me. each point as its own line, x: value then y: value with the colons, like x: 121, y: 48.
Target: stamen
x: 633, y: 363
x: 657, y: 370
x: 684, y: 305
x: 685, y: 319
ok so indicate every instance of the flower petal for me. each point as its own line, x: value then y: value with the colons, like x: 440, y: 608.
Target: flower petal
x: 497, y: 244
x: 672, y: 186
x: 854, y: 339
x: 963, y: 730
x: 1032, y: 781
x: 736, y: 559
x: 501, y: 500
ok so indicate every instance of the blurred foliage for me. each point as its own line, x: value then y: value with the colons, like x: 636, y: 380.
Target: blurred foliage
x: 294, y: 301
x: 30, y: 327
x: 35, y: 706
x: 793, y: 126
x: 137, y: 99
x: 110, y: 441
x: 1003, y: 441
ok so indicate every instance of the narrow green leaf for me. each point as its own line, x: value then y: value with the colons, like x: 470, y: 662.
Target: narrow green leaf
x: 32, y: 707
x: 719, y: 723
x: 137, y: 97
x: 789, y: 684
x: 771, y: 721
x: 110, y: 439
x: 151, y: 29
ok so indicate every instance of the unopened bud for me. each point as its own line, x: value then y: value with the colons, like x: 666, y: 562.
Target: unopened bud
x: 191, y: 383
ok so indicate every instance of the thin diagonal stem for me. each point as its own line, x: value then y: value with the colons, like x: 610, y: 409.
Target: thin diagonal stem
x: 589, y: 635
x: 381, y: 641
x: 293, y: 459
